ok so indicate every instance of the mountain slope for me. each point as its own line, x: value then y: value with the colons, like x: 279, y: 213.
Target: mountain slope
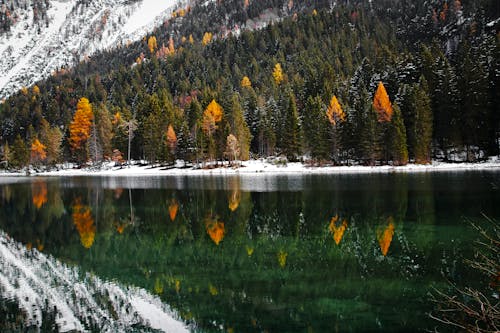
x: 71, y: 31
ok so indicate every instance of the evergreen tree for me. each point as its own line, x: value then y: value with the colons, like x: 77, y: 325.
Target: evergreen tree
x: 20, y: 154
x: 423, y: 122
x: 398, y: 148
x: 291, y: 136
x: 315, y: 126
x: 239, y: 127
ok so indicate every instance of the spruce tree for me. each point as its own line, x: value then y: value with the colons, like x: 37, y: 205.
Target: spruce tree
x: 291, y: 136
x: 398, y: 147
x: 19, y: 154
x: 423, y: 122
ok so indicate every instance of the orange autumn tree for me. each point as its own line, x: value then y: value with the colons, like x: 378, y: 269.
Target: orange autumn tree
x: 38, y: 152
x: 245, y: 82
x: 382, y: 104
x: 211, y: 116
x: 171, y: 140
x: 84, y: 223
x: 80, y: 128
x: 152, y: 45
x: 334, y: 111
x: 337, y: 231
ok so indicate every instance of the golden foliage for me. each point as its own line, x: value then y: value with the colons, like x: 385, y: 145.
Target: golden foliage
x: 172, y: 209
x: 314, y: 12
x: 382, y: 104
x: 39, y: 193
x: 36, y: 90
x: 211, y: 116
x: 278, y: 73
x: 334, y: 111
x: 250, y: 250
x: 337, y: 231
x: 152, y: 45
x: 84, y: 223
x: 245, y: 82
x: 282, y: 255
x: 215, y: 229
x: 171, y: 47
x: 38, y: 151
x: 207, y: 38
x: 384, y: 237
x: 171, y: 138
x: 191, y: 39
x: 80, y: 127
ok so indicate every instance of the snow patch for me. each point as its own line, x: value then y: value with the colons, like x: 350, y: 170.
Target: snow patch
x: 31, y: 279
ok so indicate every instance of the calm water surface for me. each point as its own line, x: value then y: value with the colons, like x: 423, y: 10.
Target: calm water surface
x: 314, y: 253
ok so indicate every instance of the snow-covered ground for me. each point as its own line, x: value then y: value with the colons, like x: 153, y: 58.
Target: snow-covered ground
x: 74, y: 31
x: 259, y: 167
x: 30, y: 278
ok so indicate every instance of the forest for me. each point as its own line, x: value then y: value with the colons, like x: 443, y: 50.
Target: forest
x: 357, y: 82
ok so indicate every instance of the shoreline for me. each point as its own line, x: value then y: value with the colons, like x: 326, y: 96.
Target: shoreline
x: 258, y: 167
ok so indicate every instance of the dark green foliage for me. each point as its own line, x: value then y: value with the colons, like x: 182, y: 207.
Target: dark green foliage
x: 398, y: 147
x: 423, y: 122
x: 20, y: 154
x: 291, y: 132
x: 316, y: 128
x: 346, y: 50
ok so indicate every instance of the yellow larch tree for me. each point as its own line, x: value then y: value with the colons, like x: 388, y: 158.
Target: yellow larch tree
x: 245, y: 82
x: 382, y: 104
x: 152, y: 46
x: 215, y: 229
x: 334, y: 111
x: 207, y: 38
x: 211, y: 116
x: 278, y: 73
x: 38, y: 152
x: 171, y: 139
x: 80, y: 127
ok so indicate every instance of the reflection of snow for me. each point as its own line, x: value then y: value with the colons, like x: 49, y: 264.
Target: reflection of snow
x: 31, y: 278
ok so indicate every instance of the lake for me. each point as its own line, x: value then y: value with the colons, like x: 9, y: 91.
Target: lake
x: 265, y: 253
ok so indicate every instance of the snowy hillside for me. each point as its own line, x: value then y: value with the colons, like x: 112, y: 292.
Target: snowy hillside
x: 32, y: 279
x: 70, y: 31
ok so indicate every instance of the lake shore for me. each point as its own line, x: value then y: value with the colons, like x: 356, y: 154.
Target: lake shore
x: 255, y: 167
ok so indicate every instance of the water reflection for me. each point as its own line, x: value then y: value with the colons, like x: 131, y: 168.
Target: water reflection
x: 384, y: 236
x: 337, y: 230
x: 260, y: 260
x: 84, y: 223
x: 215, y: 228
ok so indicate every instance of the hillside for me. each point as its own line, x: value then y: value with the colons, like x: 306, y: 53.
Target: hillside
x: 40, y: 37
x: 382, y: 82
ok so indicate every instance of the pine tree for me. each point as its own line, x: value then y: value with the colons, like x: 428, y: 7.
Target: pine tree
x: 398, y: 148
x: 291, y: 136
x: 239, y: 127
x: 19, y: 154
x: 315, y: 127
x: 423, y: 122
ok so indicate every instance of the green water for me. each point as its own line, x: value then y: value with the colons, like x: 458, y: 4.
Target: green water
x: 261, y: 253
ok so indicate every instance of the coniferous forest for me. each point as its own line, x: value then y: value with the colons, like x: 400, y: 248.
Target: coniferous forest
x: 364, y: 82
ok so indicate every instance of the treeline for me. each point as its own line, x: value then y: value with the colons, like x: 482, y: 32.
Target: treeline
x: 349, y: 84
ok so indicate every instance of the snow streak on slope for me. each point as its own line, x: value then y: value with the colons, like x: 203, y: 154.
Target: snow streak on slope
x: 75, y: 30
x: 32, y: 278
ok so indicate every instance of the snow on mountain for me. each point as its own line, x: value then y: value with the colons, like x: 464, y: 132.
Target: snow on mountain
x: 36, y: 282
x: 72, y: 30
